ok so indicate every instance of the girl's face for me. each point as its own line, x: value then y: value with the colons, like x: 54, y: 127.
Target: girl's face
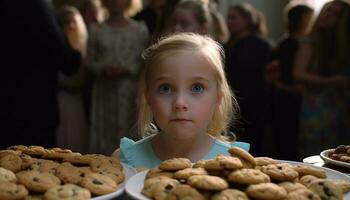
x: 185, y: 21
x: 236, y: 22
x: 329, y: 17
x: 183, y: 95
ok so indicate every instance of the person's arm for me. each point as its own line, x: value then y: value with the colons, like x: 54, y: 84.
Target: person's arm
x: 302, y: 60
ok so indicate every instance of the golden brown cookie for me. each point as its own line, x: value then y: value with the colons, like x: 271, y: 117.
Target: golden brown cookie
x: 114, y: 173
x: 101, y: 162
x: 7, y: 175
x: 158, y: 172
x: 302, y: 194
x: 199, y: 163
x: 343, y: 184
x: 35, y: 151
x: 184, y: 192
x: 207, y: 182
x: 307, y: 180
x: 269, y: 191
x: 175, y: 164
x: 326, y: 189
x: 308, y: 170
x: 291, y: 186
x: 99, y: 184
x: 261, y: 161
x: 68, y: 173
x: 9, y: 191
x: 280, y: 172
x: 37, y: 181
x: 188, y: 172
x: 248, y: 177
x: 243, y: 155
x: 48, y: 166
x: 17, y: 148
x: 158, y: 187
x: 230, y: 194
x: 67, y: 192
x: 11, y: 162
x: 222, y: 162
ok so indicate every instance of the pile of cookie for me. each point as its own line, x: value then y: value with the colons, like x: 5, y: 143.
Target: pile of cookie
x: 239, y: 176
x: 37, y: 173
x: 341, y: 153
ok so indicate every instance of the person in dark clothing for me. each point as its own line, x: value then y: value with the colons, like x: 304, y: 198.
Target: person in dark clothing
x: 151, y: 14
x: 286, y: 94
x: 34, y: 50
x: 246, y: 56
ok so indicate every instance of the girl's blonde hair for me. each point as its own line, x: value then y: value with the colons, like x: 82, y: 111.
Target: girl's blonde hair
x: 213, y: 53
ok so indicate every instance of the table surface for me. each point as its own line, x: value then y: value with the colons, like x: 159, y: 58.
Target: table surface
x: 317, y: 161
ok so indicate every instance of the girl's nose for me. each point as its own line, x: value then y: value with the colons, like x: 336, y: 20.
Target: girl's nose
x: 180, y: 103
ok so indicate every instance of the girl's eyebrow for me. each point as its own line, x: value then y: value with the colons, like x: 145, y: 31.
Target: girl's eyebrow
x: 200, y: 78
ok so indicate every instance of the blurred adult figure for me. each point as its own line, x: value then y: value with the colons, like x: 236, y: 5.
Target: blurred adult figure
x: 190, y: 16
x: 151, y: 14
x: 93, y: 12
x: 72, y: 130
x: 114, y: 57
x: 286, y: 94
x: 323, y: 65
x: 246, y: 56
x: 34, y: 51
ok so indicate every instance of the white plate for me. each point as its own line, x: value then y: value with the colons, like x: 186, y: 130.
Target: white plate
x: 135, y: 184
x: 327, y: 159
x: 128, y: 172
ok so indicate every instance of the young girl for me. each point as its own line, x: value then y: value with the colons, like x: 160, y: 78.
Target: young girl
x: 187, y: 97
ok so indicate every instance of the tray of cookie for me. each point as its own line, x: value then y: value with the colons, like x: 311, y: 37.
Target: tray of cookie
x: 34, y: 172
x: 238, y: 176
x: 339, y: 156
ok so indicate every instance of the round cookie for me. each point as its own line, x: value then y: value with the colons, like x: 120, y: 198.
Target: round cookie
x: 188, y: 172
x: 262, y: 161
x: 68, y: 173
x: 302, y: 194
x: 199, y: 163
x: 17, y: 147
x: 222, y: 162
x: 114, y: 173
x: 67, y: 192
x: 35, y: 151
x: 230, y: 194
x: 248, y: 177
x: 343, y: 184
x: 207, y: 182
x: 184, y: 192
x: 307, y: 180
x: 99, y: 184
x: 11, y: 162
x: 37, y: 181
x: 280, y: 172
x: 9, y: 191
x: 240, y: 153
x: 158, y: 172
x: 48, y: 166
x: 7, y: 175
x: 158, y: 186
x: 291, y: 186
x: 175, y: 164
x: 34, y: 197
x: 101, y: 162
x: 308, y: 170
x: 326, y: 189
x: 269, y: 191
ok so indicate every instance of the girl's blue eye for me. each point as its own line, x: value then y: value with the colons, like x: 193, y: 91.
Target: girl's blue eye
x: 164, y: 89
x: 197, y: 88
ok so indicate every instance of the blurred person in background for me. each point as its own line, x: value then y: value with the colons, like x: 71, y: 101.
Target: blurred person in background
x: 286, y: 94
x: 247, y: 54
x: 72, y: 130
x: 322, y: 65
x: 93, y: 12
x: 151, y: 15
x: 34, y: 51
x: 114, y: 57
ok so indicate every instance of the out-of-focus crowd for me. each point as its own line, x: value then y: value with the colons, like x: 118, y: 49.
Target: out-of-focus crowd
x: 70, y: 74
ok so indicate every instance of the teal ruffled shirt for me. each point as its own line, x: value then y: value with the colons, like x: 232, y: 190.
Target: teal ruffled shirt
x: 140, y: 153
